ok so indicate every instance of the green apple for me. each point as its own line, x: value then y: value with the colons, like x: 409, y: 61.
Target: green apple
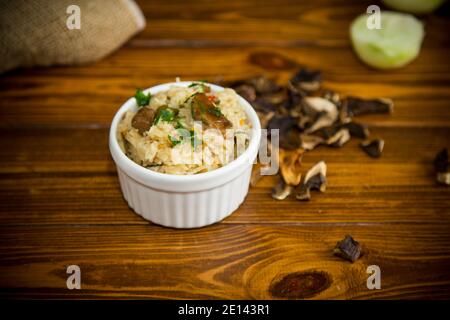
x: 396, y: 43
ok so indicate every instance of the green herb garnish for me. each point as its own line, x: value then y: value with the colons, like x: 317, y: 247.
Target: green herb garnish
x: 142, y: 99
x: 178, y: 124
x: 194, y: 140
x: 164, y: 114
x: 197, y: 83
x: 173, y: 140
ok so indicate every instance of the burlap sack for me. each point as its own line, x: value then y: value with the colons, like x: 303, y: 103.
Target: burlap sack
x: 34, y: 32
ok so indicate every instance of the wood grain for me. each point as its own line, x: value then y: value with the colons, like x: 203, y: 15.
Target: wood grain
x: 90, y: 95
x: 289, y: 22
x: 60, y: 201
x: 221, y: 261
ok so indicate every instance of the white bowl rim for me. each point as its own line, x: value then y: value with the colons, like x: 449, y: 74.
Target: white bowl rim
x: 195, y: 181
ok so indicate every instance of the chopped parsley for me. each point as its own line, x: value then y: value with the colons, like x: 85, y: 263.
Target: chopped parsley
x: 142, y: 99
x: 173, y: 140
x: 164, y: 114
x: 197, y: 83
x: 194, y: 140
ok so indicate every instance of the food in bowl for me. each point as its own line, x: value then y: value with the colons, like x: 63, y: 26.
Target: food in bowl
x: 185, y: 130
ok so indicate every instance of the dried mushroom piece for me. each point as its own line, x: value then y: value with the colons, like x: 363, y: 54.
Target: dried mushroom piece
x: 263, y: 85
x: 246, y: 91
x: 315, y: 179
x: 282, y: 190
x: 325, y: 111
x: 306, y: 79
x: 288, y: 132
x: 263, y: 106
x: 143, y: 119
x: 277, y: 97
x: 441, y: 165
x: 309, y: 142
x: 357, y: 130
x: 205, y: 110
x: 290, y: 166
x: 356, y: 106
x: 264, y: 118
x: 340, y: 138
x: 373, y: 148
x: 348, y: 249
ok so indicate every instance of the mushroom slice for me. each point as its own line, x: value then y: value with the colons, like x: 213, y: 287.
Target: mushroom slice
x: 261, y: 105
x: 306, y: 79
x: 328, y: 112
x: 373, y: 148
x: 357, y: 106
x: 264, y: 118
x: 282, y: 190
x: 441, y: 165
x: 288, y: 133
x: 357, y: 130
x: 339, y: 138
x: 203, y: 109
x: 290, y: 165
x: 263, y: 85
x: 293, y: 99
x: 277, y: 97
x: 315, y: 179
x: 246, y: 91
x: 143, y: 119
x: 348, y: 249
x: 309, y: 142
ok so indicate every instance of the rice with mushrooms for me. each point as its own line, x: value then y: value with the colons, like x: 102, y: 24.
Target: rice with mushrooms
x: 170, y: 132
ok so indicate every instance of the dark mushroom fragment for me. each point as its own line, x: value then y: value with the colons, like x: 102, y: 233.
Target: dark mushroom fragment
x: 282, y: 190
x: 315, y: 179
x: 264, y: 118
x: 357, y: 106
x: 348, y: 249
x: 246, y: 91
x: 309, y: 142
x: 323, y: 110
x: 275, y: 98
x: 263, y: 85
x: 340, y: 138
x: 293, y: 101
x: 357, y: 130
x: 205, y: 110
x: 288, y: 133
x: 264, y: 106
x: 143, y: 119
x: 373, y: 148
x: 441, y: 165
x: 308, y: 80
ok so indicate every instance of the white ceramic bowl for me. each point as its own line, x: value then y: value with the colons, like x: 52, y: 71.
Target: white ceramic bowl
x: 189, y: 201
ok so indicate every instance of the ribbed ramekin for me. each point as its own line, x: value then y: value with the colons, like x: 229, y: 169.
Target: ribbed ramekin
x: 190, y: 201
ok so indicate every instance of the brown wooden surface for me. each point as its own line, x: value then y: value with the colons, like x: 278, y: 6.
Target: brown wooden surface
x: 60, y: 201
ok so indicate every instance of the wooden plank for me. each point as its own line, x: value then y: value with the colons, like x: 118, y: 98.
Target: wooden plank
x: 287, y: 22
x: 77, y: 96
x: 60, y: 176
x: 222, y: 261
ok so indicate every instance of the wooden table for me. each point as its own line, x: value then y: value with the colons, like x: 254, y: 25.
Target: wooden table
x: 60, y: 199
